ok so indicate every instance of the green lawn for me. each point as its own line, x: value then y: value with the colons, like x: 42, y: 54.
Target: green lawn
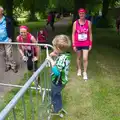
x: 33, y: 26
x: 99, y: 97
x: 36, y: 98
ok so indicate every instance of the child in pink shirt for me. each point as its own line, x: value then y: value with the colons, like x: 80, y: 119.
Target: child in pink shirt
x: 42, y: 36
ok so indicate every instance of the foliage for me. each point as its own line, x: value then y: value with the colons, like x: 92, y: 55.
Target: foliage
x: 17, y: 12
x: 99, y: 97
x: 37, y: 9
x: 103, y: 23
x: 36, y: 4
x: 94, y: 6
x: 66, y: 4
x: 113, y: 3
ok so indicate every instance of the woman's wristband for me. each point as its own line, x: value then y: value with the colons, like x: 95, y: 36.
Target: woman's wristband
x: 90, y: 42
x: 73, y: 45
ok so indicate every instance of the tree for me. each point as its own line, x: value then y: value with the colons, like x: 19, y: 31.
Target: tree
x: 105, y: 22
x: 105, y: 6
x: 35, y: 6
x: 65, y: 4
x: 94, y: 6
x: 8, y: 6
x: 114, y: 3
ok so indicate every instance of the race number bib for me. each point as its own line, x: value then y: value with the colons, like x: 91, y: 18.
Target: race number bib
x: 82, y: 37
x: 26, y: 47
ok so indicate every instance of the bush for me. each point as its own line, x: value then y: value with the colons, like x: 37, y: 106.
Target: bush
x: 102, y: 23
x: 112, y: 22
x: 108, y: 22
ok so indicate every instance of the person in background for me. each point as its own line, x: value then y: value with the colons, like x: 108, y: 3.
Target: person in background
x: 51, y: 20
x: 82, y: 41
x: 118, y: 24
x: 6, y: 36
x: 42, y: 36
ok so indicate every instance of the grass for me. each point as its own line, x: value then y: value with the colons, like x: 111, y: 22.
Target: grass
x: 36, y: 96
x: 30, y: 106
x: 99, y: 97
x: 33, y: 27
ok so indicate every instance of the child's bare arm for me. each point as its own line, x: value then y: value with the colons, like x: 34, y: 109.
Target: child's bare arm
x: 51, y: 60
x: 53, y: 54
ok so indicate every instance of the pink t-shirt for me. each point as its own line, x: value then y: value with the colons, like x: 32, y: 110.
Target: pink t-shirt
x: 82, y: 36
x: 27, y: 40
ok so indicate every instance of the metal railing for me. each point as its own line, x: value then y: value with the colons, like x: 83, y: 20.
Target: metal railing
x: 32, y: 101
x: 42, y: 55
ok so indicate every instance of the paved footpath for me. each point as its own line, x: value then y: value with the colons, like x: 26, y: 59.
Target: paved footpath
x: 14, y: 78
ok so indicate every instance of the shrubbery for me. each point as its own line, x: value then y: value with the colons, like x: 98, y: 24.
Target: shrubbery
x: 108, y: 22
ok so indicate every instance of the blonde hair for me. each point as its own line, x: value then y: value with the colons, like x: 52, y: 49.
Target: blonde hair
x: 62, y: 42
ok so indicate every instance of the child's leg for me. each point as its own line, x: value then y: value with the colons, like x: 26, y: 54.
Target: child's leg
x: 56, y: 97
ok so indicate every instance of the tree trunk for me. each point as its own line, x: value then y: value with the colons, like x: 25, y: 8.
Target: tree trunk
x: 9, y: 8
x: 78, y: 4
x: 105, y: 8
x: 32, y: 16
x: 9, y: 11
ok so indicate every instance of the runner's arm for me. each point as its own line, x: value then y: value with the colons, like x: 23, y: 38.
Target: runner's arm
x: 73, y: 33
x: 90, y: 32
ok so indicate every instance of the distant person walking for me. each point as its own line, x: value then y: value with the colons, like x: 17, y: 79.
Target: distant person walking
x: 51, y: 20
x: 118, y: 24
x: 82, y: 41
x: 42, y: 36
x: 6, y: 36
